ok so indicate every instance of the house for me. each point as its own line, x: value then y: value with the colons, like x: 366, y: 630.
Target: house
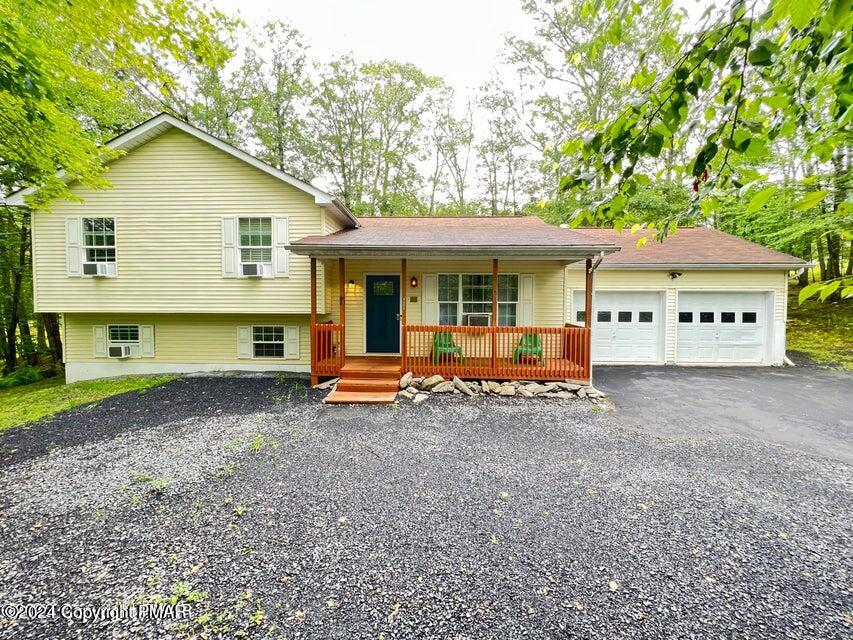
x: 201, y: 257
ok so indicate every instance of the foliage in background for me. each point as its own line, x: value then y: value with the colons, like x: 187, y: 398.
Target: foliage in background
x: 754, y: 76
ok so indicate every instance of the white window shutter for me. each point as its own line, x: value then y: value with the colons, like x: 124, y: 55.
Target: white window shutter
x: 146, y: 341
x: 244, y: 342
x: 229, y: 247
x: 291, y: 342
x: 525, y: 299
x: 429, y: 304
x: 73, y: 247
x: 99, y: 341
x: 280, y: 242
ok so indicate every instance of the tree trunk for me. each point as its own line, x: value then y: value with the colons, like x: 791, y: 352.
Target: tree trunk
x: 821, y: 258
x: 41, y: 339
x: 833, y: 256
x: 27, y: 343
x: 849, y: 270
x: 14, y: 307
x: 54, y: 336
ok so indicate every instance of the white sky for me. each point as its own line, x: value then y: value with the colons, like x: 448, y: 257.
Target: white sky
x: 457, y: 39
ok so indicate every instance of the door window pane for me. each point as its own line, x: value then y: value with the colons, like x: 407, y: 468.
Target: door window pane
x: 646, y: 316
x: 706, y: 316
x: 580, y: 316
x: 624, y: 316
x: 685, y: 316
x: 603, y: 316
x: 727, y: 316
x: 749, y: 317
x: 383, y: 288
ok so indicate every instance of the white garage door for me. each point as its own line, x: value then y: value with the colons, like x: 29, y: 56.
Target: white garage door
x: 722, y: 327
x: 627, y: 326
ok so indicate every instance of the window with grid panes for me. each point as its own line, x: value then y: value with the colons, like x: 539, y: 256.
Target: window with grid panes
x: 99, y: 239
x: 255, y: 240
x: 268, y: 342
x: 463, y: 294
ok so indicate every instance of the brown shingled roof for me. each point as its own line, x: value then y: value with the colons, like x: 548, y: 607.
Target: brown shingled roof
x: 454, y: 235
x: 688, y: 246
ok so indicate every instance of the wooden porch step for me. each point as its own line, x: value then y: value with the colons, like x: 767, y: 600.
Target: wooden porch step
x: 361, y: 397
x: 368, y: 384
x: 369, y: 370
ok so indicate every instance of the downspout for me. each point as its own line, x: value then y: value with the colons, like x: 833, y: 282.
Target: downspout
x: 595, y: 265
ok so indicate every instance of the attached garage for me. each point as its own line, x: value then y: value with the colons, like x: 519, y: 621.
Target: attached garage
x: 701, y: 297
x: 723, y: 327
x: 627, y: 326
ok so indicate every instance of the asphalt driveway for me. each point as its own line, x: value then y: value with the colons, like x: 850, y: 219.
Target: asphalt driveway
x: 806, y: 408
x: 267, y: 513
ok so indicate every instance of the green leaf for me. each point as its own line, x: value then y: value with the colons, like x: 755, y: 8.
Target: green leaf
x: 829, y: 289
x: 703, y: 158
x: 799, y: 12
x: 760, y: 56
x: 847, y: 292
x: 809, y: 200
x: 808, y: 291
x: 760, y: 199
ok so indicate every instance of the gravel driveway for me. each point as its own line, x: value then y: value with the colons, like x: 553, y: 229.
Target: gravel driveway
x: 485, y: 518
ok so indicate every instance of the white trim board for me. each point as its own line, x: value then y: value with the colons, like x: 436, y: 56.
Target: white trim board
x: 163, y: 122
x: 76, y: 371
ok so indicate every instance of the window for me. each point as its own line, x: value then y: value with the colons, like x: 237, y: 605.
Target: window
x: 124, y: 333
x: 99, y: 239
x: 268, y: 342
x: 603, y: 316
x: 121, y: 338
x: 256, y: 240
x: 727, y: 317
x: 646, y: 316
x: 685, y: 316
x: 706, y: 316
x: 580, y: 316
x: 383, y: 288
x: 460, y: 295
x: 749, y: 317
x: 624, y: 316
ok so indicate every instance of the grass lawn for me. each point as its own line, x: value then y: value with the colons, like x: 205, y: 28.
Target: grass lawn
x: 822, y: 330
x: 32, y: 402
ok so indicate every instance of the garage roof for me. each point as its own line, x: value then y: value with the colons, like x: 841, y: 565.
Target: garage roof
x: 473, y: 235
x: 695, y: 247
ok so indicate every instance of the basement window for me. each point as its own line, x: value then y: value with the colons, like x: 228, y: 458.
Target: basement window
x: 685, y: 316
x: 603, y: 316
x: 268, y: 342
x: 706, y: 316
x: 749, y: 317
x: 727, y: 316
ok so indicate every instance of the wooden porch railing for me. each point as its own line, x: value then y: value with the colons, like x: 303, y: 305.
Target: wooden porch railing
x: 327, y: 353
x: 520, y: 353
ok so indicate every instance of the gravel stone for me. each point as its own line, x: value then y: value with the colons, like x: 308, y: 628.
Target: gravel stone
x: 459, y: 518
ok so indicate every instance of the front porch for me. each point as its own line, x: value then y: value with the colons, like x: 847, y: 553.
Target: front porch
x: 529, y: 352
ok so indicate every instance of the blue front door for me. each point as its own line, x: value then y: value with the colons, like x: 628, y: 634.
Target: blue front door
x: 382, y: 311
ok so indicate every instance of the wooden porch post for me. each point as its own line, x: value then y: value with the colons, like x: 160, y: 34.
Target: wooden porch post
x: 404, y: 283
x: 313, y: 332
x: 588, y: 320
x: 494, y: 313
x: 342, y: 306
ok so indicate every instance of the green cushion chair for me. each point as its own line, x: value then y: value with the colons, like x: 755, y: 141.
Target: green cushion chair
x: 530, y: 346
x: 443, y: 345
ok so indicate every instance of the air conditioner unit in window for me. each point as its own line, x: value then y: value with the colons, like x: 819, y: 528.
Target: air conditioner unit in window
x: 255, y: 269
x: 97, y: 269
x: 119, y: 351
x: 478, y: 319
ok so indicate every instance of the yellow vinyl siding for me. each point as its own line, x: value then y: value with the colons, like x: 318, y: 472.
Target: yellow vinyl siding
x: 168, y: 198
x: 699, y: 280
x: 547, y: 289
x: 184, y: 339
